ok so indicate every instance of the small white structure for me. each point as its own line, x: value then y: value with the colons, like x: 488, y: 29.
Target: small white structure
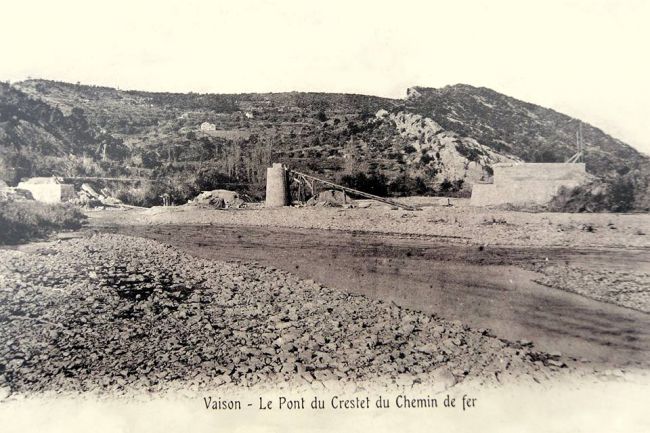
x: 207, y: 126
x: 48, y: 189
x: 381, y: 114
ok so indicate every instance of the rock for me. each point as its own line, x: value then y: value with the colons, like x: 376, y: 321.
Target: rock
x: 430, y: 348
x: 443, y: 379
x: 439, y: 330
x: 406, y: 330
x: 556, y: 363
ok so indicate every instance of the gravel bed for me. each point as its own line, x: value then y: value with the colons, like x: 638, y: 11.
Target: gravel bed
x: 111, y: 313
x: 625, y: 288
x: 461, y: 224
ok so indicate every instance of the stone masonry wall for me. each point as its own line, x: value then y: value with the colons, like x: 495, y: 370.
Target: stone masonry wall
x: 49, y: 193
x: 521, y: 184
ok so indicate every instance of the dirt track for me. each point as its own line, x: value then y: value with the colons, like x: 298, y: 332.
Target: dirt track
x: 482, y: 287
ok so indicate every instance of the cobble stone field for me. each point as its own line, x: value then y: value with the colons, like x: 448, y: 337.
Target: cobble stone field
x: 112, y: 313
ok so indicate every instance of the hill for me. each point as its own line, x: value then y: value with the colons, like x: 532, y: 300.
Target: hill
x: 436, y: 141
x: 531, y: 132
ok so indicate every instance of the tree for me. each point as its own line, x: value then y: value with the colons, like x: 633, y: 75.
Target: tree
x: 621, y: 195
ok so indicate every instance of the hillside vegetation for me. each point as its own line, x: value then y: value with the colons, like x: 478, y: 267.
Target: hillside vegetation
x: 436, y: 141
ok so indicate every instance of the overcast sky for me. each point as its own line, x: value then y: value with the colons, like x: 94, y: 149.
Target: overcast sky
x: 586, y: 58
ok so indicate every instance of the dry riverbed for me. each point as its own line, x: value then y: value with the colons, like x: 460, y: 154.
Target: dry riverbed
x: 610, y: 263
x: 113, y: 313
x: 459, y: 223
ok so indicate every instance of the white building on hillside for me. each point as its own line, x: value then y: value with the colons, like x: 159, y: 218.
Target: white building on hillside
x: 207, y: 126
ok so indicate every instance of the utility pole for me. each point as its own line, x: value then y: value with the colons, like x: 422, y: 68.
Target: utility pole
x: 579, y: 155
x: 580, y: 144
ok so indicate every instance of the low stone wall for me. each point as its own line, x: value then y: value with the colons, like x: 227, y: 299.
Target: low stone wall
x: 522, y: 184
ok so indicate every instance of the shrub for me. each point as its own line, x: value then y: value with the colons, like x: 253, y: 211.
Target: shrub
x: 546, y: 155
x: 373, y: 183
x: 409, y: 149
x: 468, y: 152
x: 321, y: 116
x: 613, y: 195
x: 21, y: 221
x: 405, y: 185
x: 145, y: 195
x: 621, y: 195
x: 425, y: 159
x: 453, y: 188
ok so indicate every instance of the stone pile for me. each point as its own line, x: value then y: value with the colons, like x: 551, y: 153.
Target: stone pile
x: 331, y: 198
x: 112, y: 313
x: 88, y: 197
x: 218, y: 199
x: 14, y: 194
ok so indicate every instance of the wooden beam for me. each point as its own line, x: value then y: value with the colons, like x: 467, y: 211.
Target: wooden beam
x: 115, y: 179
x: 357, y: 192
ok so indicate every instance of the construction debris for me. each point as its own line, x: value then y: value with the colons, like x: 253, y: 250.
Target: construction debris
x: 331, y: 198
x: 310, y: 181
x: 15, y: 194
x: 218, y: 199
x: 88, y: 197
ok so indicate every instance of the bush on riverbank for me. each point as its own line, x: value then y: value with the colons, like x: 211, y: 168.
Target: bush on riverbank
x: 616, y: 195
x: 21, y: 221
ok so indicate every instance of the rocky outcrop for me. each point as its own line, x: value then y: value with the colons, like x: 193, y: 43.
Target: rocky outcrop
x: 452, y: 157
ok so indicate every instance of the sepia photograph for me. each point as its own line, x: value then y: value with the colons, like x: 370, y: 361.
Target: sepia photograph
x: 277, y: 215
